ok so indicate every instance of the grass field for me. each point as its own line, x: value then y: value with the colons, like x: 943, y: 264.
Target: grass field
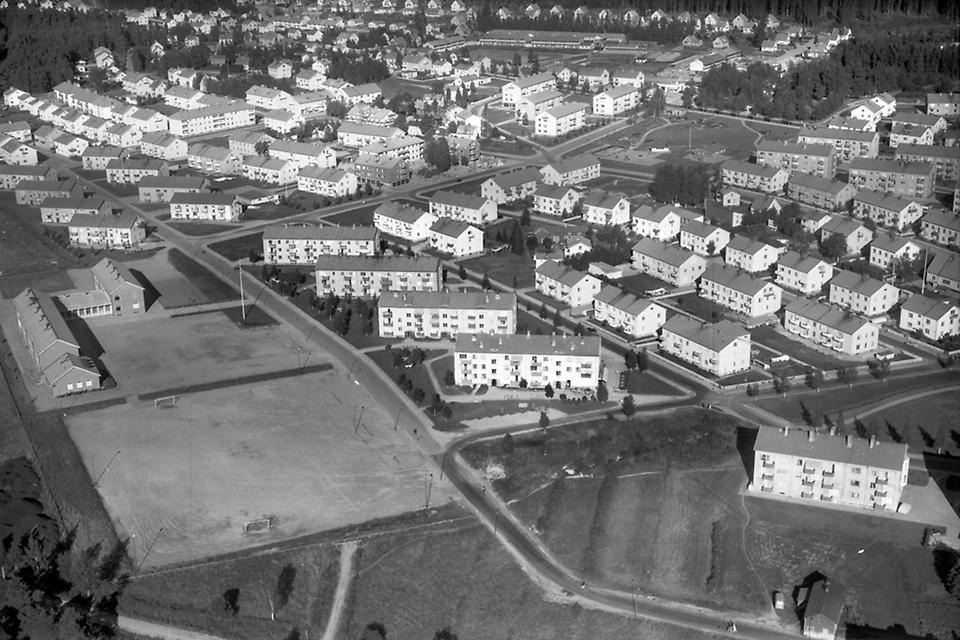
x: 180, y: 280
x: 195, y: 228
x: 197, y: 597
x: 797, y: 350
x: 48, y: 280
x: 504, y: 267
x: 639, y: 283
x: 461, y: 578
x: 711, y: 134
x: 268, y: 212
x: 239, y: 247
x: 629, y: 186
x: 934, y: 414
x: 25, y: 249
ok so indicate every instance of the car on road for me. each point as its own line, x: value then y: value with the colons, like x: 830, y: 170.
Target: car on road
x: 656, y: 292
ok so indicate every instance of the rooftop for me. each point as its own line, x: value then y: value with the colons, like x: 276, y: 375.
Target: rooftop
x: 838, y: 448
x: 733, y: 278
x: 457, y: 199
x: 927, y: 307
x: 448, y: 300
x: 838, y: 319
x: 857, y: 283
x: 560, y: 345
x: 716, y: 337
x: 620, y: 299
x: 891, y: 166
x: 317, y: 232
x: 400, y: 211
x: 797, y: 262
x: 667, y: 253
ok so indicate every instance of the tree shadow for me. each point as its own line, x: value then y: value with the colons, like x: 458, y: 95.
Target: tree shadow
x: 895, y: 435
x: 893, y: 632
x: 805, y: 413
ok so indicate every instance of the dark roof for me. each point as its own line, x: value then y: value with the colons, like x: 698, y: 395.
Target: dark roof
x: 833, y: 448
x: 825, y: 600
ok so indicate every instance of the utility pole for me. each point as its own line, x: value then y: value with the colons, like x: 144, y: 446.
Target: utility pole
x: 923, y: 272
x: 149, y: 549
x: 357, y: 427
x: 428, y: 487
x: 109, y: 462
x: 243, y: 304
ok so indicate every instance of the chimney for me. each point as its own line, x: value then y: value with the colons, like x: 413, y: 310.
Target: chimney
x: 810, y: 435
x: 833, y: 430
x: 786, y: 431
x: 873, y: 441
x: 849, y: 442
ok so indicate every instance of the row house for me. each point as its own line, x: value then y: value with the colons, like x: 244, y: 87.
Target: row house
x: 211, y: 119
x: 886, y: 209
x: 888, y: 250
x: 555, y: 201
x: 616, y: 101
x: 702, y: 238
x: 368, y: 276
x: 720, y: 349
x: 814, y: 159
x: 475, y: 210
x: 566, y: 285
x: 509, y: 187
x: 571, y: 171
x: 381, y: 170
x: 215, y: 207
x: 941, y: 226
x: 455, y: 238
x: 935, y: 319
x: 303, y: 154
x: 445, y: 314
x: 913, y: 179
x: 121, y: 135
x: 862, y: 294
x: 740, y: 291
x: 560, y: 120
x: 856, y: 234
x: 635, y: 316
x: 269, y: 170
x: 836, y: 329
x: 848, y: 144
x: 804, y: 274
x: 753, y: 177
x: 662, y: 223
x: 303, y: 243
x: 131, y: 171
x: 829, y: 468
x: 62, y: 209
x: 403, y: 221
x: 669, y: 263
x: 605, y: 210
x: 330, y: 182
x: 97, y: 158
x: 13, y: 151
x: 124, y: 231
x: 525, y: 361
x: 162, y: 188
x: 34, y: 192
x: 211, y: 159
x: 946, y: 160
x: 351, y: 134
x: 282, y: 121
x: 747, y: 254
x: 164, y: 146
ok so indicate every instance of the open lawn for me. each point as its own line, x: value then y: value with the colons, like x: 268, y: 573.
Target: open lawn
x: 504, y: 267
x: 702, y: 308
x: 797, y: 350
x: 711, y: 134
x: 362, y: 214
x: 460, y: 577
x: 639, y: 283
x: 48, y: 280
x: 629, y: 186
x: 393, y: 86
x: 24, y: 249
x: 937, y: 415
x: 503, y: 145
x: 239, y: 247
x: 180, y: 280
x: 645, y: 383
x: 198, y: 228
x: 268, y: 212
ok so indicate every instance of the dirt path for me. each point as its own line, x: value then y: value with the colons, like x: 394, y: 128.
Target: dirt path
x: 347, y: 551
x: 162, y: 631
x: 900, y: 399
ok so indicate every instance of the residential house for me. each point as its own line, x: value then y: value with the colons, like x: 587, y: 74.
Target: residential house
x: 946, y: 160
x: 526, y: 361
x: 509, y: 187
x: 805, y: 274
x: 887, y: 251
x: 669, y: 263
x: 217, y: 207
x: 330, y: 182
x: 856, y: 234
x: 555, y: 200
x: 571, y: 171
x: 935, y: 319
x: 566, y: 285
x: 280, y: 69
x: 862, y: 294
x: 474, y: 210
x: 62, y: 209
x: 622, y: 311
x: 721, y: 349
x: 911, y: 179
x: 662, y: 223
x: 211, y: 119
x: 303, y: 154
x: 605, y: 210
x: 455, y: 238
x: 88, y: 231
x: 814, y: 159
x: 96, y: 158
x: 298, y: 243
x: 162, y: 188
x: 740, y: 291
x: 836, y: 329
x: 820, y: 192
x: 269, y: 170
x: 561, y: 120
x: 943, y: 271
x: 368, y: 276
x: 403, y: 221
x: 212, y: 160
x: 823, y: 609
x: 704, y: 239
x: 513, y: 91
x: 848, y: 144
x: 887, y: 210
x: 445, y: 314
x: 903, y: 133
x: 381, y: 170
x: 164, y: 146
x: 35, y: 192
x: 943, y: 104
x: 941, y: 226
x: 752, y: 256
x: 351, y: 134
x: 754, y: 177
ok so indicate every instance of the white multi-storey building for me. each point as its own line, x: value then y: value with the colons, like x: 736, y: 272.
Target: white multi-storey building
x: 330, y: 182
x: 615, y: 101
x: 131, y: 171
x: 455, y: 238
x: 444, y: 314
x: 304, y: 243
x: 635, y: 316
x: 862, y: 294
x: 106, y: 231
x: 754, y: 176
x: 750, y: 255
x: 721, y: 349
x: 856, y: 234
x: 513, y: 91
x: 560, y: 120
x: 886, y: 209
x: 475, y: 210
x: 569, y: 286
x: 563, y: 362
x: 886, y: 250
x: 571, y: 171
x: 804, y: 274
x: 704, y: 239
x: 833, y: 328
x: 941, y: 226
x: 403, y: 221
x: 165, y: 146
x: 218, y: 207
x: 269, y: 170
x: 739, y: 291
x: 935, y: 319
x: 604, y: 209
x: 662, y: 223
x: 555, y: 201
x: 303, y: 154
x: 218, y: 117
x: 669, y: 263
x: 368, y: 276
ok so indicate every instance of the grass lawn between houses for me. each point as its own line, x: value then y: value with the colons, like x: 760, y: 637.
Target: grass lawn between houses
x: 504, y: 267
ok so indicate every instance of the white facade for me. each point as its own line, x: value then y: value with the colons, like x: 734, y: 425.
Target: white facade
x: 568, y: 286
x: 217, y: 207
x: 605, y: 211
x: 403, y: 221
x: 455, y: 238
x: 333, y: 183
x: 671, y: 264
x: 560, y: 120
x: 740, y: 292
x: 475, y: 210
x: 443, y: 314
x: 935, y: 319
x: 806, y: 275
x: 191, y: 122
x: 637, y: 317
x: 563, y: 362
x: 613, y: 102
x: 269, y: 170
x: 863, y: 295
x: 750, y: 255
x: 303, y: 244
x: 700, y: 238
x: 830, y: 327
x: 720, y: 349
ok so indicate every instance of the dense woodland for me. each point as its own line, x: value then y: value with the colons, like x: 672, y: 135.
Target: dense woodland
x: 863, y: 66
x: 201, y: 6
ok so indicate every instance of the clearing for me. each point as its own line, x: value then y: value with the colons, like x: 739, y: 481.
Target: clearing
x: 181, y: 281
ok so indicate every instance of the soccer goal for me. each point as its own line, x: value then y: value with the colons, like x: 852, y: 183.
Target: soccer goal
x: 166, y: 402
x: 258, y: 526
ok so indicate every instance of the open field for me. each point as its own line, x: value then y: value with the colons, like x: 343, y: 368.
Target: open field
x: 312, y: 453
x: 180, y: 280
x: 710, y: 134
x: 937, y: 415
x: 239, y: 247
x: 797, y: 350
x: 25, y: 249
x: 394, y: 86
x: 197, y: 228
x: 629, y: 186
x: 504, y: 267
x: 461, y: 578
x: 639, y: 283
x: 268, y: 212
x: 49, y: 280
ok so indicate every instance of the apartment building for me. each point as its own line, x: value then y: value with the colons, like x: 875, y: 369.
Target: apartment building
x: 244, y: 143
x: 813, y: 159
x: 455, y: 238
x: 96, y: 158
x: 267, y: 98
x: 351, y: 134
x: 303, y: 243
x: 210, y: 119
x: 445, y: 314
x: 848, y: 144
x: 403, y: 221
x: 720, y: 349
x: 365, y: 114
x: 662, y: 223
x: 823, y: 193
x: 381, y: 170
x: 35, y: 192
x: 303, y: 154
x: 509, y: 187
x: 886, y: 209
x: 164, y: 146
x: 605, y: 210
x: 754, y: 177
x: 330, y: 182
x: 635, y: 316
x: 269, y: 170
x: 750, y: 255
x: 530, y: 106
x: 474, y: 210
x: 862, y: 294
x: 829, y: 468
x: 935, y: 123
x: 941, y: 226
x: 131, y: 171
x: 946, y: 160
x: 909, y: 134
x: 943, y: 271
x: 555, y: 201
x: 62, y: 209
x: 935, y: 319
x: 217, y: 207
x: 613, y: 102
x: 856, y: 234
x: 123, y: 231
x: 887, y: 250
x: 740, y: 291
x: 571, y: 171
x: 804, y: 274
x: 910, y: 179
x: 213, y: 160
x: 409, y: 148
x: 368, y: 276
x: 13, y: 151
x: 513, y: 91
x: 669, y: 263
x: 525, y: 361
x: 702, y: 238
x: 943, y: 104
x: 566, y: 285
x: 837, y: 329
x: 12, y: 175
x: 560, y: 120
x: 162, y: 188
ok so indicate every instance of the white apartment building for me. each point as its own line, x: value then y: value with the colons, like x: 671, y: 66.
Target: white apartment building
x: 97, y: 158
x: 886, y: 209
x: 464, y: 207
x: 13, y: 151
x: 330, y: 182
x: 862, y: 294
x: 218, y: 117
x: 555, y: 201
x: 720, y: 349
x: 750, y: 255
x: 282, y: 121
x: 804, y: 274
x: 829, y: 468
x: 856, y: 234
x: 444, y: 314
x: 351, y: 134
x: 217, y: 207
x: 935, y: 319
x: 511, y: 186
x: 303, y: 154
x: 165, y: 146
x: 941, y: 226
x: 704, y: 239
x: 605, y: 210
x: 669, y: 263
x: 269, y: 170
x: 635, y: 316
x: 849, y: 144
x: 61, y: 210
x: 129, y: 171
x: 512, y: 92
x: 297, y: 243
x: 662, y: 223
x: 754, y: 177
x: 613, y: 102
x: 409, y: 148
x: 567, y: 285
x: 268, y: 98
x: 455, y: 238
x: 534, y: 103
x: 403, y: 221
x: 886, y: 250
x: 212, y: 160
x: 740, y: 291
x: 368, y: 276
x: 571, y: 171
x: 533, y: 362
x: 560, y: 120
x: 106, y: 231
x: 833, y: 328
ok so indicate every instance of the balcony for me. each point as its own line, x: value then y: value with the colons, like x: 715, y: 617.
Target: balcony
x: 805, y: 494
x: 808, y: 483
x: 879, y: 494
x: 809, y: 471
x: 829, y: 486
x: 766, y: 489
x: 880, y: 482
x: 829, y: 474
x: 766, y: 477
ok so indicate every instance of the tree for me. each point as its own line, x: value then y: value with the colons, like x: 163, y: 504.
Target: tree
x: 544, y: 420
x: 486, y: 283
x: 285, y: 582
x: 840, y: 424
x: 445, y: 634
x: 506, y: 446
x: 548, y: 391
x: 602, y: 394
x: 657, y: 102
x: 689, y: 91
x: 711, y: 248
x: 517, y: 244
x: 437, y: 154
x: 628, y: 405
x: 834, y: 246
x: 642, y: 360
x: 262, y: 147
x: 449, y: 378
x: 525, y: 217
x: 753, y: 390
x: 781, y: 384
x: 814, y: 378
x: 630, y: 359
x: 462, y: 272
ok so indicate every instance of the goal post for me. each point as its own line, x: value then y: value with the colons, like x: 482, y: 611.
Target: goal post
x: 258, y: 526
x: 165, y: 402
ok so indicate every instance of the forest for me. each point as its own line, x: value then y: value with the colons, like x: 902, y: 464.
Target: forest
x: 864, y: 66
x: 200, y: 6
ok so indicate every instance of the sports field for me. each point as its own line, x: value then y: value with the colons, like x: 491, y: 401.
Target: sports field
x: 188, y: 477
